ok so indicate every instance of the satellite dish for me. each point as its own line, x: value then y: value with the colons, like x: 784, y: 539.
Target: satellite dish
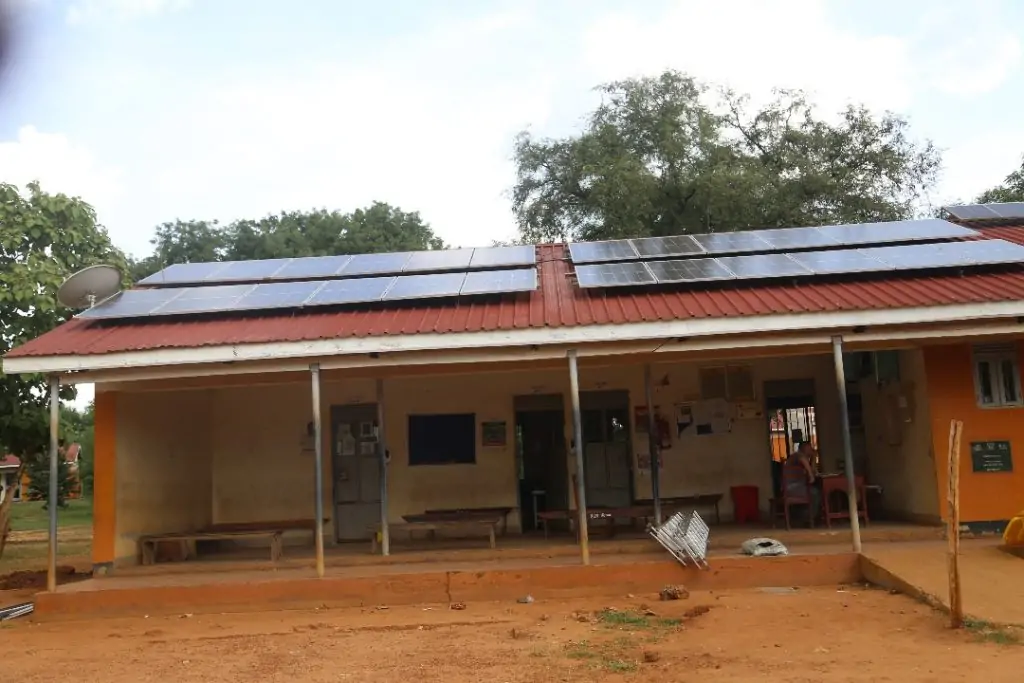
x: 89, y: 285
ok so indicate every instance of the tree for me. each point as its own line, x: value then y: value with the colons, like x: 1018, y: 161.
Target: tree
x: 378, y: 228
x: 1012, y: 189
x: 659, y: 156
x: 37, y: 466
x: 43, y: 239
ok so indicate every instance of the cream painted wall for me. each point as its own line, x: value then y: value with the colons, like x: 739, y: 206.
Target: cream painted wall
x: 163, y: 466
x: 898, y: 441
x: 712, y: 463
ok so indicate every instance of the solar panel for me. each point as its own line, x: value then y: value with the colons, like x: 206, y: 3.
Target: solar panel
x: 614, y: 275
x: 499, y: 281
x: 839, y: 261
x: 784, y: 239
x: 498, y: 257
x: 1009, y: 209
x: 359, y: 290
x: 440, y: 259
x: 203, y: 299
x: 678, y: 245
x: 180, y: 273
x: 251, y: 270
x: 278, y: 295
x: 593, y: 252
x: 131, y: 304
x: 731, y: 242
x: 690, y: 270
x: 431, y: 286
x: 971, y: 212
x: 312, y: 267
x: 372, y: 264
x: 763, y: 266
x: 895, y: 231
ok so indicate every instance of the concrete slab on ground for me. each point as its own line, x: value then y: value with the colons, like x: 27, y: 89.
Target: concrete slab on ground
x: 992, y: 580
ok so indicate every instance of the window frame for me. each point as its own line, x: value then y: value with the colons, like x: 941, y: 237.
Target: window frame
x: 422, y: 462
x: 996, y: 357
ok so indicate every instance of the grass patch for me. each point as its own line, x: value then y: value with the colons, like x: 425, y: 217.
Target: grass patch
x: 634, y: 620
x: 600, y: 657
x: 987, y: 632
x: 30, y: 515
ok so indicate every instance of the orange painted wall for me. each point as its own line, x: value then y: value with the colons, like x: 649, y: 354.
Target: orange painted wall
x: 983, y: 497
x: 104, y: 517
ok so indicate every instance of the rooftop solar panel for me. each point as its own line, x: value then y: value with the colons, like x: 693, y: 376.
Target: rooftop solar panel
x: 439, y: 259
x: 182, y: 273
x: 433, y: 286
x: 690, y: 270
x: 971, y: 212
x: 355, y: 291
x: 614, y: 275
x: 785, y: 239
x: 131, y: 304
x: 374, y: 264
x: 263, y: 269
x: 839, y: 261
x: 499, y: 281
x: 894, y: 231
x: 655, y: 247
x: 278, y: 295
x: 499, y: 257
x: 732, y: 242
x: 763, y: 266
x: 312, y: 267
x: 1010, y: 210
x: 203, y: 299
x: 594, y: 252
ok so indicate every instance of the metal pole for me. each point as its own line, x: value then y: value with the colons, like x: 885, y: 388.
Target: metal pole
x: 577, y: 434
x: 318, y: 474
x: 51, y: 565
x: 653, y: 445
x: 382, y: 446
x: 844, y: 422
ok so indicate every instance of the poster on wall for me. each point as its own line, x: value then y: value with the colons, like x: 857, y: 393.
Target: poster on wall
x: 493, y: 434
x: 713, y: 416
x: 640, y: 419
x: 749, y: 410
x: 684, y: 418
x: 643, y: 461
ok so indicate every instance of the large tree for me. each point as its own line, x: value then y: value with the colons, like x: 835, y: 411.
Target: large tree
x: 43, y: 239
x: 662, y: 156
x: 378, y: 228
x: 1011, y: 190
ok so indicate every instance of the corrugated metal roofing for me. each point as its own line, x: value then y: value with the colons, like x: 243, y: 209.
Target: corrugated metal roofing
x: 557, y: 303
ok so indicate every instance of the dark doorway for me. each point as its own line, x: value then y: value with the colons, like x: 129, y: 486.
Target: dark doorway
x: 356, y: 470
x: 607, y: 448
x: 790, y: 408
x: 540, y: 455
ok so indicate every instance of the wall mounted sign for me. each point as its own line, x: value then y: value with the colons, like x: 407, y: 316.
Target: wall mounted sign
x: 493, y: 434
x: 991, y: 456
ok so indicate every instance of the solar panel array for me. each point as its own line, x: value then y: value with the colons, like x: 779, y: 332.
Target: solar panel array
x: 987, y: 212
x: 807, y: 263
x: 767, y: 241
x: 328, y: 267
x: 224, y: 298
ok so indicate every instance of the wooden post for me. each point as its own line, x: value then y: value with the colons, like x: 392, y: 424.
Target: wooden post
x: 382, y: 454
x: 653, y: 447
x: 318, y: 471
x: 51, y: 563
x: 956, y: 607
x: 577, y: 435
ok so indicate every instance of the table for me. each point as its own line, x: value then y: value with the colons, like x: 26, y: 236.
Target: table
x: 832, y: 483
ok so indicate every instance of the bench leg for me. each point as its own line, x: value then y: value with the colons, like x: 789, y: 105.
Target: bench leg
x: 148, y: 553
x: 493, y: 542
x: 276, y: 549
x: 373, y: 543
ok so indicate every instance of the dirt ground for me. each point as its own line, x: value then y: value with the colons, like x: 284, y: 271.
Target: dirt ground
x: 826, y: 635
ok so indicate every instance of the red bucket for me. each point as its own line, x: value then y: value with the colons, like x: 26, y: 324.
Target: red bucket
x: 745, y: 504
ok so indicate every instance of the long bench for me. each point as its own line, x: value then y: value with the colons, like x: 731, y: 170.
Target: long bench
x: 148, y: 544
x: 413, y: 524
x: 642, y: 511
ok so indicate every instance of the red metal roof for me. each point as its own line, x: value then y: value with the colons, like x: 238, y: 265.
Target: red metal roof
x: 557, y: 303
x: 10, y: 461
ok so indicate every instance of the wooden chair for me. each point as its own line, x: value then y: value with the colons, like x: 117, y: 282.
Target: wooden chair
x: 787, y: 498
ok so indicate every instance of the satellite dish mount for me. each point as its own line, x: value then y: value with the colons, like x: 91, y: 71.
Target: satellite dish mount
x: 89, y: 285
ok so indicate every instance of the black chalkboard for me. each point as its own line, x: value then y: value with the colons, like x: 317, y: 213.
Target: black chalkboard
x: 991, y: 456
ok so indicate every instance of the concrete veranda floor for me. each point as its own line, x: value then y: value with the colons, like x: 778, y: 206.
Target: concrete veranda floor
x: 992, y: 580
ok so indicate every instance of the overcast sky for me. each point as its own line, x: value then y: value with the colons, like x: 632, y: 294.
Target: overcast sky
x: 160, y: 109
x: 153, y: 110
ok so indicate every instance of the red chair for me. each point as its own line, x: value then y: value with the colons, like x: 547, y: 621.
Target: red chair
x: 791, y: 495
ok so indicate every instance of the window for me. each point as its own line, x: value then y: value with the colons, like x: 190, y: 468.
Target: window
x: 997, y: 376
x: 442, y: 439
x: 731, y: 382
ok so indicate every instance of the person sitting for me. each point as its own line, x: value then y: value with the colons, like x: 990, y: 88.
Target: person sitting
x: 801, y: 478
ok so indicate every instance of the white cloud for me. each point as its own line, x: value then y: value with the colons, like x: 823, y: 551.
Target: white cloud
x: 59, y: 166
x: 980, y: 162
x: 754, y: 46
x: 85, y: 10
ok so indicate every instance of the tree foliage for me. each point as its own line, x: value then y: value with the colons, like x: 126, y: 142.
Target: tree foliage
x: 378, y: 228
x: 43, y: 239
x: 660, y: 156
x: 1011, y: 190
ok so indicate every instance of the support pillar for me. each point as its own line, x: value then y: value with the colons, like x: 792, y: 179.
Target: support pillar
x: 577, y: 435
x: 51, y: 564
x: 844, y: 422
x: 653, y: 446
x: 318, y: 474
x: 382, y: 447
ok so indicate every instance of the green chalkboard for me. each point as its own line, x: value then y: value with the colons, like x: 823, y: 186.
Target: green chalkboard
x: 991, y: 456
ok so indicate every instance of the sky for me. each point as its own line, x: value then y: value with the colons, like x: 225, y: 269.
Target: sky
x: 153, y: 110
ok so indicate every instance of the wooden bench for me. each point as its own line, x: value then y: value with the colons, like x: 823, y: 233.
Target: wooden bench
x: 643, y: 510
x: 148, y: 544
x: 457, y: 514
x: 413, y: 524
x: 677, y: 503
